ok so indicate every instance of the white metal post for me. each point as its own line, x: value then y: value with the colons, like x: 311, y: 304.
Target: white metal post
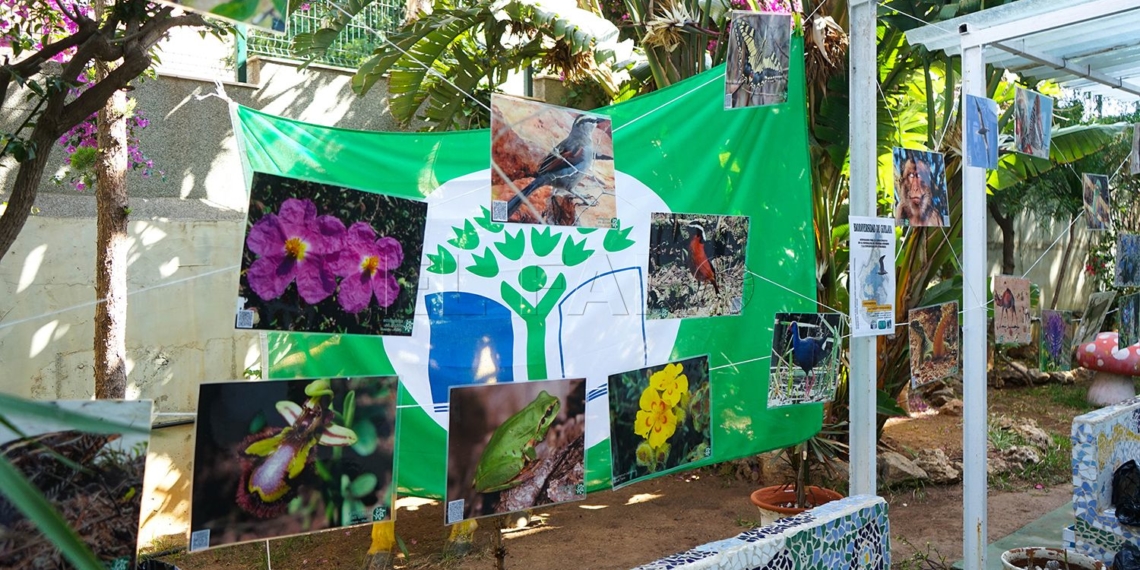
x: 862, y: 137
x: 974, y: 298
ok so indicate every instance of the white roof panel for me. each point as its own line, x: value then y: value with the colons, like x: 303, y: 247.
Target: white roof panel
x: 1086, y: 45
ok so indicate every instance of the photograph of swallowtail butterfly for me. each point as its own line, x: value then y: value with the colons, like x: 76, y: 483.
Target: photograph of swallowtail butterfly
x: 758, y: 49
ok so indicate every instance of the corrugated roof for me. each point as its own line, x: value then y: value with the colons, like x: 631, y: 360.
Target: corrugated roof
x: 1089, y: 46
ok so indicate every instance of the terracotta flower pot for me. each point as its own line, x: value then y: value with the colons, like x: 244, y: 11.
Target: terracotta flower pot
x: 779, y: 501
x: 1018, y: 559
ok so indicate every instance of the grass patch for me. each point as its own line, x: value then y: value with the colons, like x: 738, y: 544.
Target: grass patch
x: 1054, y: 468
x: 1067, y: 395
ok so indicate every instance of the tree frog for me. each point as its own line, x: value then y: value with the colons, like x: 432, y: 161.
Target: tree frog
x: 509, y: 457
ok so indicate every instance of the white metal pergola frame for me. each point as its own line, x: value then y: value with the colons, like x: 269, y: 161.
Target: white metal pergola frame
x: 1005, y: 28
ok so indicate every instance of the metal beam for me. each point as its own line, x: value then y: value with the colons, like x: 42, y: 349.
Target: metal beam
x: 1084, y: 71
x: 1045, y: 22
x: 863, y: 135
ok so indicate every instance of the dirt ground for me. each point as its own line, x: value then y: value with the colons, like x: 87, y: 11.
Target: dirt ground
x: 651, y: 519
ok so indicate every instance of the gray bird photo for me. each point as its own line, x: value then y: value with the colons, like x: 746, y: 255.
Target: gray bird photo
x: 551, y: 165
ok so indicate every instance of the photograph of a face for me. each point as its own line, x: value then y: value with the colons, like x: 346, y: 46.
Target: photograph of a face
x: 696, y: 265
x: 1095, y: 190
x: 1032, y: 123
x: 1127, y: 261
x: 92, y: 477
x: 805, y: 358
x: 1093, y: 317
x: 933, y: 343
x: 283, y: 457
x: 551, y: 165
x: 660, y: 419
x: 1011, y: 310
x: 515, y: 445
x: 320, y: 258
x: 266, y: 15
x: 1129, y: 320
x: 1055, y: 352
x: 759, y: 46
x: 981, y: 132
x: 920, y: 188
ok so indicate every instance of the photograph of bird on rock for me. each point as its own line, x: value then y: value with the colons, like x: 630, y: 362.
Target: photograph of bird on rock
x: 696, y: 265
x: 551, y: 165
x: 805, y: 358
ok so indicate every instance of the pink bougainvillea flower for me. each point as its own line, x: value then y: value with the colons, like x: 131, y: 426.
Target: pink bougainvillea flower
x: 295, y: 245
x: 367, y: 264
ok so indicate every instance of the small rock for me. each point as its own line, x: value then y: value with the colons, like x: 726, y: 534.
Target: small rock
x: 894, y: 468
x: 938, y: 466
x: 1034, y: 435
x: 1018, y: 456
x: 951, y: 408
x: 995, y: 465
x: 939, y: 397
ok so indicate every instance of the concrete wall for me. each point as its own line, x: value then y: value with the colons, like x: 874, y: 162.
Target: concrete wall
x: 1039, y: 251
x: 186, y: 232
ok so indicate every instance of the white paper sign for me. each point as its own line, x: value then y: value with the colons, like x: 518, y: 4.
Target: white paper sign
x: 872, y: 278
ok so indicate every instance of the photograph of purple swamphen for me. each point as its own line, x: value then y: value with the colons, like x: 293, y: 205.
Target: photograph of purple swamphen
x: 805, y: 359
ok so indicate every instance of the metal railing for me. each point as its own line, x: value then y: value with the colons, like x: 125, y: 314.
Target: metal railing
x: 354, y: 45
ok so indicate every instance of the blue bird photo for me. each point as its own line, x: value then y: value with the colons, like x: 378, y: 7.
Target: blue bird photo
x: 805, y: 341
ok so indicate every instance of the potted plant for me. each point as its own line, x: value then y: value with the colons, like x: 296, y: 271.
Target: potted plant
x: 1039, y: 557
x: 778, y: 501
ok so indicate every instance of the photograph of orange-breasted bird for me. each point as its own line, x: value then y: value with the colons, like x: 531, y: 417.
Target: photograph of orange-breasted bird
x: 696, y: 265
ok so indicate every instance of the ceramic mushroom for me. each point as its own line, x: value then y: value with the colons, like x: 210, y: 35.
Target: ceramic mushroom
x: 1114, y: 368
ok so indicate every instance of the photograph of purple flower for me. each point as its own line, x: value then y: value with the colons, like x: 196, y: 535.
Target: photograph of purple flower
x: 326, y: 259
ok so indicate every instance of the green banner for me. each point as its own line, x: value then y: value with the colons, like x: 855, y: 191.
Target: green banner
x: 675, y: 151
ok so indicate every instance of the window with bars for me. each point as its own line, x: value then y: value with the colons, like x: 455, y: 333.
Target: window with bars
x: 354, y: 45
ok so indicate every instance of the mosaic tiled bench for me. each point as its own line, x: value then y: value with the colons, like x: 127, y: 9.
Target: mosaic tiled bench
x: 1102, y: 440
x: 849, y: 534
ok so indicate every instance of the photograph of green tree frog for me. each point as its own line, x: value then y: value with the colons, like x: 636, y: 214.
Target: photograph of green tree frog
x: 515, y: 445
x: 286, y: 457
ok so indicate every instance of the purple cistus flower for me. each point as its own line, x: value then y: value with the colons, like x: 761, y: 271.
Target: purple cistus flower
x: 294, y: 244
x: 366, y: 264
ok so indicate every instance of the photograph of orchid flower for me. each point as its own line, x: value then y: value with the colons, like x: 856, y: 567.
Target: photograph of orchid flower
x: 660, y: 419
x: 326, y: 259
x: 284, y: 457
x: 515, y: 445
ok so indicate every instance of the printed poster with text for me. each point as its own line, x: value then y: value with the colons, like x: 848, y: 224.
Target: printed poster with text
x: 872, y: 281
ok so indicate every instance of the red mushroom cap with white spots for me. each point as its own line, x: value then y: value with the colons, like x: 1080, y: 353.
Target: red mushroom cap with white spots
x: 1102, y: 354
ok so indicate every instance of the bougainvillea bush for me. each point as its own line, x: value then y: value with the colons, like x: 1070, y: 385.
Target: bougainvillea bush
x: 327, y: 259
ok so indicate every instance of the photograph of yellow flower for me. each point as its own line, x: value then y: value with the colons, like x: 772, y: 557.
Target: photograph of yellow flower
x: 805, y: 358
x: 659, y: 419
x: 286, y: 457
x: 515, y: 445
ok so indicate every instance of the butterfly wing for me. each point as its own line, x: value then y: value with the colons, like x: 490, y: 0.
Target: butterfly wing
x: 747, y: 55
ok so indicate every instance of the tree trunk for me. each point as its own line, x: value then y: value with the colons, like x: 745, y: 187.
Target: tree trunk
x: 1005, y: 222
x: 1064, y: 264
x: 111, y: 249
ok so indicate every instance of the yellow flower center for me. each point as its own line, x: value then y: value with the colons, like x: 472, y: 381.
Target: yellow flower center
x: 295, y: 248
x: 370, y: 264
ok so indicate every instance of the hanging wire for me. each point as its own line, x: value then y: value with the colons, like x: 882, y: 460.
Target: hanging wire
x: 129, y: 293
